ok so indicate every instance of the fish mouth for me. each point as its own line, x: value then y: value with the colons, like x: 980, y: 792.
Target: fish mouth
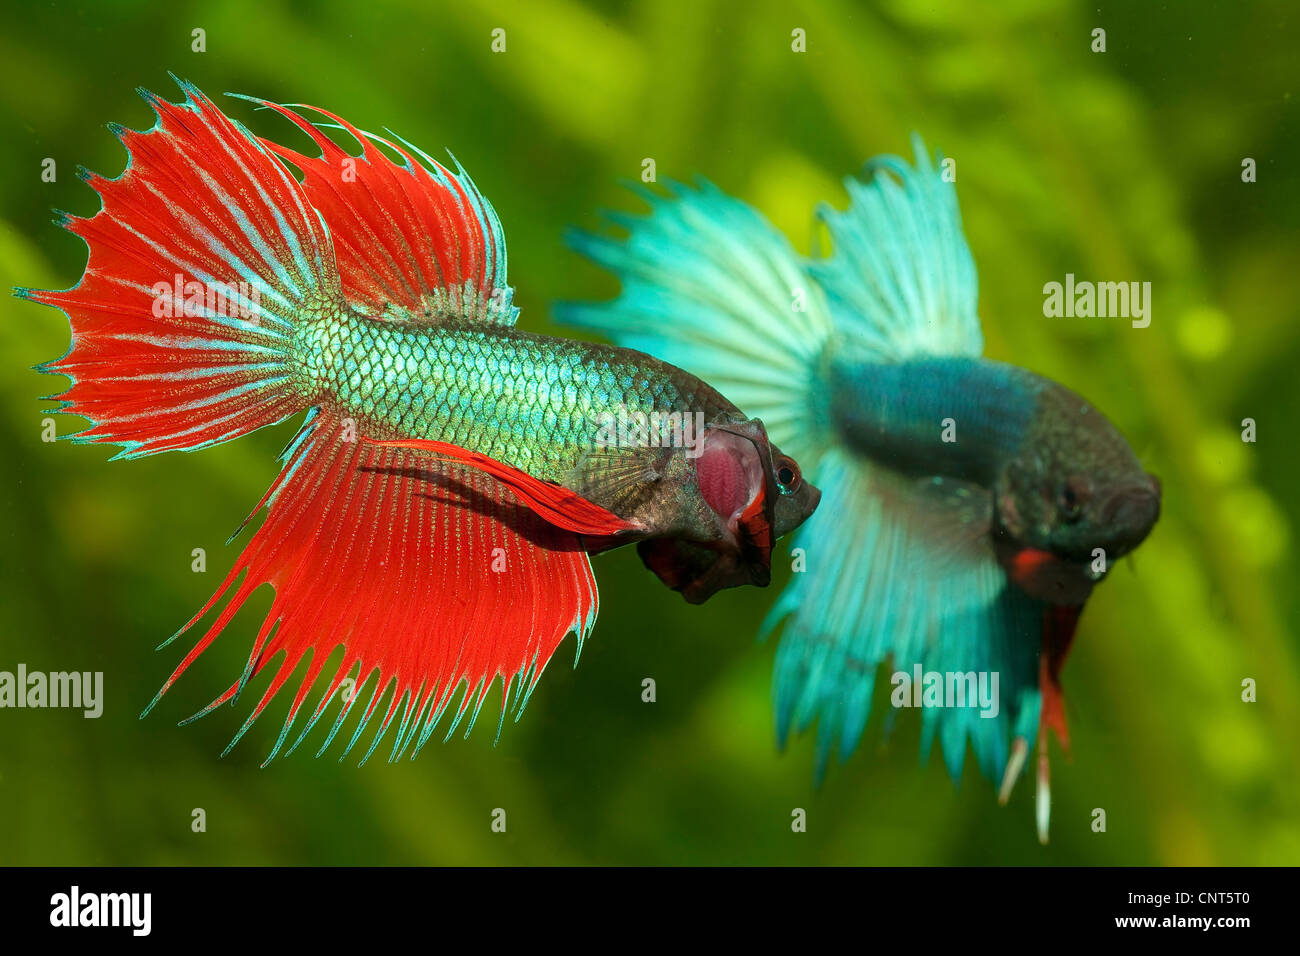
x: 792, y: 510
x: 1130, y: 513
x: 1136, y: 506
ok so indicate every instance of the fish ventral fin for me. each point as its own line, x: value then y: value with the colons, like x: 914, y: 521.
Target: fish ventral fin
x: 425, y: 569
x: 415, y: 241
x: 560, y: 506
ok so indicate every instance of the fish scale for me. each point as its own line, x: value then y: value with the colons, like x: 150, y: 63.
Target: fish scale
x: 531, y: 401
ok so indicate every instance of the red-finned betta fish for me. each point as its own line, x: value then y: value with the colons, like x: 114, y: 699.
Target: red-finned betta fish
x: 435, y: 511
x: 971, y: 505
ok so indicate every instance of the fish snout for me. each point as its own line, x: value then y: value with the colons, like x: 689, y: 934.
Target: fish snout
x: 792, y: 510
x: 1132, y: 511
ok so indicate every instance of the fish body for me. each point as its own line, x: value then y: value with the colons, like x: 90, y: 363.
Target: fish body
x: 887, y: 412
x: 970, y: 506
x: 1057, y: 477
x: 529, y: 400
x: 435, y: 510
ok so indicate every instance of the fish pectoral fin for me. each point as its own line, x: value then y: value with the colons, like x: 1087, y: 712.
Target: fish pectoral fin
x: 428, y: 573
x: 624, y: 480
x: 560, y: 506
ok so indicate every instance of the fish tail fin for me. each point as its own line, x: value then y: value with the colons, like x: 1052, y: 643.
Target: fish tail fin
x: 203, y: 259
x: 711, y: 286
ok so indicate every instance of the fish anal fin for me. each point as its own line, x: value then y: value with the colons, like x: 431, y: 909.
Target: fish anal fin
x: 428, y: 572
x: 916, y: 583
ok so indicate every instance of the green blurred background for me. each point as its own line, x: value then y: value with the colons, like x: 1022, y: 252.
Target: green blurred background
x: 1117, y: 165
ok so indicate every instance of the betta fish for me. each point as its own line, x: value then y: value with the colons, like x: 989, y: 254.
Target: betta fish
x: 434, y: 512
x: 971, y: 506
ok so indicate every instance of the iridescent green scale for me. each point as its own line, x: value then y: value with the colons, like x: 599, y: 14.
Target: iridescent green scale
x: 532, y: 401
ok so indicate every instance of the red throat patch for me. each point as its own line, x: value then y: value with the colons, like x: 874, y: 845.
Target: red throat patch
x: 1028, y: 563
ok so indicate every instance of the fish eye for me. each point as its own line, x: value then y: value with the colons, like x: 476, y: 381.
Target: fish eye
x: 788, y: 478
x: 1072, y: 497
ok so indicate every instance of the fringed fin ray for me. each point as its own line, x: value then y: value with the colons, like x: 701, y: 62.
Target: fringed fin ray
x: 202, y: 256
x: 414, y: 241
x: 429, y: 573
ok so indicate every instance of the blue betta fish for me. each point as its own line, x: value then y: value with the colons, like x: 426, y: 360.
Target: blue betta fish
x: 969, y: 506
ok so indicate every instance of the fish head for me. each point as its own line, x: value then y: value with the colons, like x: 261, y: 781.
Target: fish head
x: 1073, y: 501
x: 750, y: 494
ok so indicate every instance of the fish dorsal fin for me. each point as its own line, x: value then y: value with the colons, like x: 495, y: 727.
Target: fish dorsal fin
x: 900, y: 281
x: 709, y: 285
x: 414, y: 241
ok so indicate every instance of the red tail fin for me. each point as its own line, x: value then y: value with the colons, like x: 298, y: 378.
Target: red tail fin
x: 201, y: 260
